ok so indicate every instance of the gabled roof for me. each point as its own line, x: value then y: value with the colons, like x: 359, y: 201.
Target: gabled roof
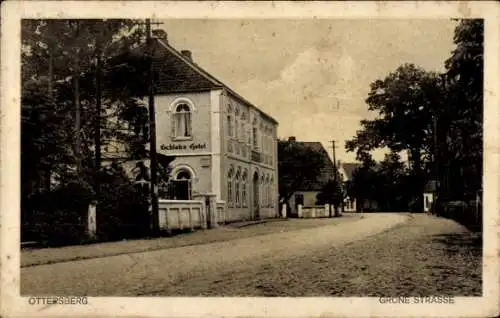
x: 327, y: 171
x: 431, y: 186
x: 174, y: 72
x: 349, y: 168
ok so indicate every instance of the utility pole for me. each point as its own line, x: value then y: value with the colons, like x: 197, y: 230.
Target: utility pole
x: 77, y: 105
x: 334, y: 160
x: 152, y: 128
x: 436, y: 157
x: 335, y: 178
x: 98, y: 108
x: 50, y: 88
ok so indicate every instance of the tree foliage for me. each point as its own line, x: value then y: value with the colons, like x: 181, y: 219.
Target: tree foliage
x: 463, y: 135
x: 298, y: 166
x: 332, y: 193
x: 55, y: 53
x: 436, y: 118
x: 407, y: 101
x: 60, y: 83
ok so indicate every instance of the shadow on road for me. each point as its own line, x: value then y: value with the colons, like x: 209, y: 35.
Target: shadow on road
x: 473, y: 242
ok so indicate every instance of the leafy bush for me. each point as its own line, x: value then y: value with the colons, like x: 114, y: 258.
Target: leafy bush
x: 58, y: 217
x: 122, y: 210
x: 465, y: 213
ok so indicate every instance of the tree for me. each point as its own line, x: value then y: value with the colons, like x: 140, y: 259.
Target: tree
x: 60, y: 56
x: 392, y: 192
x: 363, y: 183
x: 406, y: 102
x: 298, y: 167
x: 71, y: 103
x: 462, y: 144
x: 331, y: 193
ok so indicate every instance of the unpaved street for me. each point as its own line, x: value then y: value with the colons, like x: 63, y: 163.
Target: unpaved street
x: 156, y: 272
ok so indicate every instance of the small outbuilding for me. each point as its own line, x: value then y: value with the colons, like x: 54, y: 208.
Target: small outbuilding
x: 429, y: 194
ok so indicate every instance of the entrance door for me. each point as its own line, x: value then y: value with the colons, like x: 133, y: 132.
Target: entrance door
x: 256, y: 203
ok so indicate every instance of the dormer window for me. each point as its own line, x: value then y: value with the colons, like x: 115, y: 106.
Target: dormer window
x: 182, y: 122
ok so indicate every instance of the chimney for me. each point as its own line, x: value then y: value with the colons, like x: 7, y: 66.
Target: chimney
x: 160, y: 34
x: 187, y: 54
x: 291, y: 138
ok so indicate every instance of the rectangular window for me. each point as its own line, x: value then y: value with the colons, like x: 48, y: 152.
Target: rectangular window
x: 236, y: 128
x: 255, y: 137
x: 243, y: 132
x: 229, y: 126
x: 249, y: 135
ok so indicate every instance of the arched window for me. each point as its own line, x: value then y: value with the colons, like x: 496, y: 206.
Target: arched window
x: 230, y: 187
x: 182, y: 185
x: 182, y: 121
x: 244, y: 189
x: 237, y: 189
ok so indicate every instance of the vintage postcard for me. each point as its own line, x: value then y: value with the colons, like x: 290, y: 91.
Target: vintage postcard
x: 257, y: 159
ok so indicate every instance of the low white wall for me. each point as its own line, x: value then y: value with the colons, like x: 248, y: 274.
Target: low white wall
x: 181, y: 214
x: 314, y: 211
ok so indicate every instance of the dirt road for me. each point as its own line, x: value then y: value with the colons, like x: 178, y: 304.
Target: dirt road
x: 157, y: 272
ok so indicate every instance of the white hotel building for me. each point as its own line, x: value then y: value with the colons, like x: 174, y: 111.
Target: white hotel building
x: 222, y: 144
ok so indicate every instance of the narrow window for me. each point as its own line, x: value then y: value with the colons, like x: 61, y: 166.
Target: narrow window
x: 254, y: 137
x: 182, y: 121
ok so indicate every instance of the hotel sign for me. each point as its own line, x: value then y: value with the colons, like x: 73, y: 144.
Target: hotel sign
x: 193, y: 146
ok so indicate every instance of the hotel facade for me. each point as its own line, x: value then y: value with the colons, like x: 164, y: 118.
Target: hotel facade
x: 222, y: 144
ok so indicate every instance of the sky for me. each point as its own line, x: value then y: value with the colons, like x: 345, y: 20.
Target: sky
x: 311, y: 75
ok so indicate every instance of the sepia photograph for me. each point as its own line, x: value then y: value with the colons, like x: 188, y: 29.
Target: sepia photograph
x: 252, y: 157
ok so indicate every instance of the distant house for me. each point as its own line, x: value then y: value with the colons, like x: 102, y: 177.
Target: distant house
x: 429, y: 194
x: 307, y: 195
x: 346, y: 171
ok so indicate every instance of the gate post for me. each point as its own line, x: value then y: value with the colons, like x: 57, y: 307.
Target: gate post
x: 91, y: 221
x: 299, y: 210
x: 211, y: 209
x: 283, y: 210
